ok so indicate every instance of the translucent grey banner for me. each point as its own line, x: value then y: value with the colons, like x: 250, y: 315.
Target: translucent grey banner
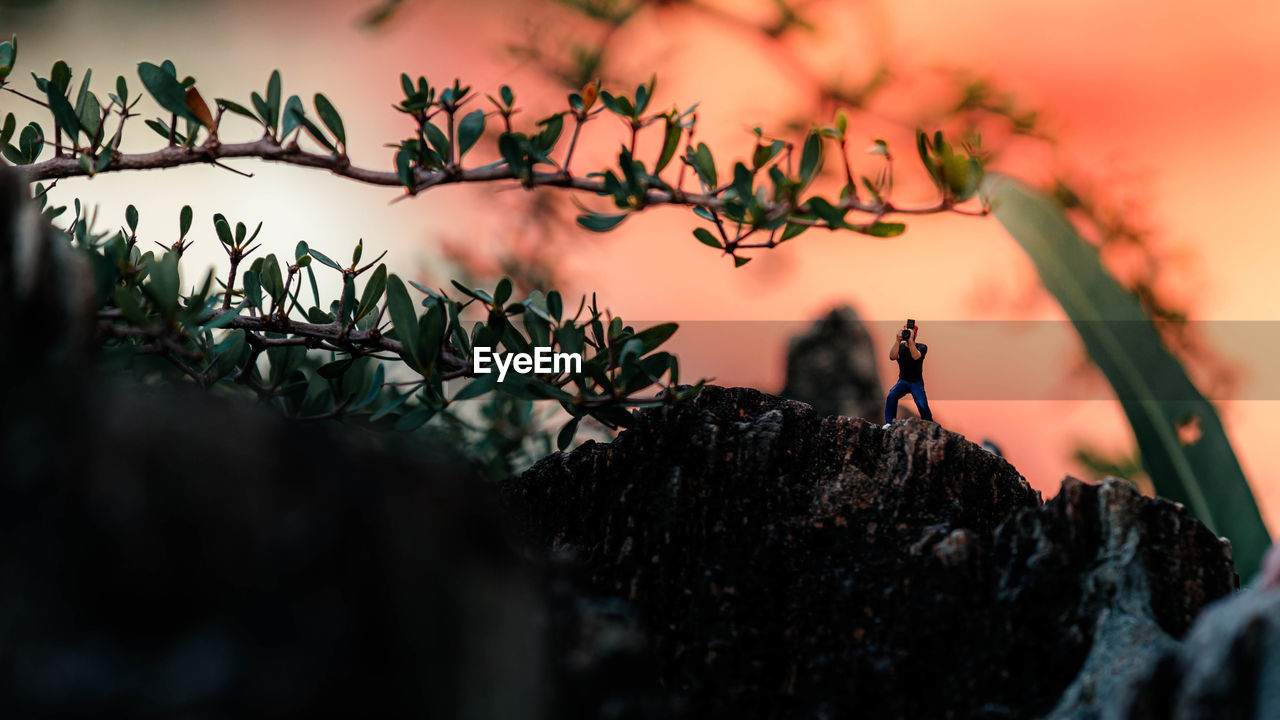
x: 996, y: 360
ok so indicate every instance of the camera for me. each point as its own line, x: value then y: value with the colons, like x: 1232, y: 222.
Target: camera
x: 911, y: 324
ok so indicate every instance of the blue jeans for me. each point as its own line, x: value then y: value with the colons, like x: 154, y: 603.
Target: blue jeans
x: 901, y: 388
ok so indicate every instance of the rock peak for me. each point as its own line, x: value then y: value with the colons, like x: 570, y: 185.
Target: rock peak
x: 787, y: 564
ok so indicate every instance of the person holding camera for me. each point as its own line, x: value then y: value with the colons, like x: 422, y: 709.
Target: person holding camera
x: 910, y: 358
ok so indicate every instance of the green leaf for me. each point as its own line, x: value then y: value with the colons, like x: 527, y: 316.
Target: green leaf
x: 131, y: 218
x: 962, y: 176
x: 229, y: 353
x: 651, y: 338
x: 316, y: 133
x: 324, y: 259
x: 90, y: 115
x: 292, y: 112
x: 742, y: 181
x: 60, y: 76
x: 415, y: 419
x: 104, y: 159
x: 335, y: 369
x: 551, y: 129
x: 318, y: 316
x: 555, y: 305
x: 706, y: 238
x: 502, y: 292
x: 565, y: 437
x: 509, y: 148
x: 704, y: 165
x: 329, y: 116
x: 792, y: 230
x: 885, y: 229
x: 764, y: 153
x: 404, y: 167
x: 31, y: 142
x: 829, y: 213
x: 63, y: 114
x: 162, y: 283
x: 272, y: 279
x: 161, y: 129
x: 13, y: 154
x: 375, y: 388
x: 922, y: 147
x: 252, y: 285
x: 373, y: 291
x: 670, y: 143
x: 166, y: 89
x: 464, y: 289
x: 84, y: 90
x: 403, y: 315
x: 223, y: 229
x: 184, y: 221
x: 390, y: 407
x: 239, y: 109
x: 437, y: 138
x: 811, y: 157
x: 469, y: 131
x: 224, y: 319
x: 430, y: 334
x: 1151, y: 384
x: 8, y: 54
x: 130, y: 305
x: 480, y: 386
x: 273, y: 100
x: 600, y: 223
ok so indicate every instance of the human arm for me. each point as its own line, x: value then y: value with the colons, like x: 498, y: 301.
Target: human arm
x: 916, y: 353
x: 897, y: 343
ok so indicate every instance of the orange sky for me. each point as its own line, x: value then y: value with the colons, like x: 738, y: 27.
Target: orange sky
x: 1173, y: 106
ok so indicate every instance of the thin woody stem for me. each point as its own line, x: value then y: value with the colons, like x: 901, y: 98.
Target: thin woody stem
x: 269, y: 150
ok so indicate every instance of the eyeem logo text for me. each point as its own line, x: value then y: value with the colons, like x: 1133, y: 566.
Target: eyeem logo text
x: 542, y: 361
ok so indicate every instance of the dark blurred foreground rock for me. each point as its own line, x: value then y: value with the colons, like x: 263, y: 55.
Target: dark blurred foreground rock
x: 165, y: 553
x: 1228, y: 667
x: 782, y: 564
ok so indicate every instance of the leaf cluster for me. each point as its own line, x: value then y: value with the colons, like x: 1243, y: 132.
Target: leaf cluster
x: 758, y: 202
x: 384, y: 353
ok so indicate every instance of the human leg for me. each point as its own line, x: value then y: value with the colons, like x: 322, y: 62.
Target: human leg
x: 922, y: 400
x: 900, y: 388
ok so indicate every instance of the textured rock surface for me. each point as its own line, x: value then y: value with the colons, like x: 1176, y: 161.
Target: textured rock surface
x: 783, y: 564
x: 1228, y: 667
x: 832, y: 366
x: 1138, y: 572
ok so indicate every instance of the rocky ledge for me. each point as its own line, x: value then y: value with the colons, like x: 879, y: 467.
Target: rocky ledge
x: 774, y: 563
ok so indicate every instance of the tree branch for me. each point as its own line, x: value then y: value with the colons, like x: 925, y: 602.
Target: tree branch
x: 269, y: 150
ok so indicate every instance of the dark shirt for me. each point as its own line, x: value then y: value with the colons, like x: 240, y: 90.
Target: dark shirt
x: 909, y: 368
